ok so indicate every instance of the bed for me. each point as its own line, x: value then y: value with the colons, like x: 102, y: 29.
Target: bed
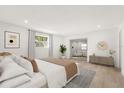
x: 58, y: 72
x: 52, y: 73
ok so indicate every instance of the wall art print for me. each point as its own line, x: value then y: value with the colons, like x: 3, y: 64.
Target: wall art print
x: 12, y: 39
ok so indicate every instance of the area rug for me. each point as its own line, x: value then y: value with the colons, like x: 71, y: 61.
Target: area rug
x: 83, y: 80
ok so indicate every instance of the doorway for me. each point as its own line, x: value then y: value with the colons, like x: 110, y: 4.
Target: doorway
x: 78, y: 49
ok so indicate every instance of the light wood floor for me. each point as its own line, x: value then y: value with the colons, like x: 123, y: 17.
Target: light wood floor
x: 106, y: 77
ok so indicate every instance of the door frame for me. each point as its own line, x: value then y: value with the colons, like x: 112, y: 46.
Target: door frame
x: 78, y: 40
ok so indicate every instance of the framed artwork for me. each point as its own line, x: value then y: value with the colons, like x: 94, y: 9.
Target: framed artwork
x: 102, y: 45
x: 12, y: 39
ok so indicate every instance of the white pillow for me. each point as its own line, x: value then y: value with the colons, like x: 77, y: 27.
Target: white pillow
x: 23, y: 63
x: 10, y: 69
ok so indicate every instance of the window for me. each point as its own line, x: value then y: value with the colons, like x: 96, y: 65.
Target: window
x: 42, y: 41
x: 84, y: 46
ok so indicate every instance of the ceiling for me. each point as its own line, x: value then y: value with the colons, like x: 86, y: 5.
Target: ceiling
x: 64, y: 20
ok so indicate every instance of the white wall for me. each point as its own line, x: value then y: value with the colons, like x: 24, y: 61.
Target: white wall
x: 23, y: 50
x: 108, y: 35
x: 44, y: 52
x: 57, y: 40
x: 41, y: 52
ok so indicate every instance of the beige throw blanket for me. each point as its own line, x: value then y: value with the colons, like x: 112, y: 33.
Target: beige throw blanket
x: 70, y: 66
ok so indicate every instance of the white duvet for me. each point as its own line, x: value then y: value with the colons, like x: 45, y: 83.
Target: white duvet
x: 37, y: 81
x: 55, y: 74
x: 14, y: 82
x: 12, y: 75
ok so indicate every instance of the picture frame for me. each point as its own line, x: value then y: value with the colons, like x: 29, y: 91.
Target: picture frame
x: 102, y: 45
x: 11, y: 40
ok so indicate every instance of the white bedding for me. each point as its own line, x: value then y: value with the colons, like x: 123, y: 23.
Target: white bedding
x: 14, y: 82
x: 37, y: 81
x: 23, y: 63
x: 55, y: 74
x: 10, y: 69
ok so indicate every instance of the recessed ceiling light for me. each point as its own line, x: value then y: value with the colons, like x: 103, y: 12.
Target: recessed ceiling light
x: 98, y: 26
x: 25, y: 21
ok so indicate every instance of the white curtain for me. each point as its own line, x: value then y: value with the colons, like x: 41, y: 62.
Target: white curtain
x: 31, y: 45
x: 51, y: 45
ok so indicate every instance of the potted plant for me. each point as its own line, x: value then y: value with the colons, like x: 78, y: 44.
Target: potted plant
x: 112, y: 52
x: 63, y: 50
